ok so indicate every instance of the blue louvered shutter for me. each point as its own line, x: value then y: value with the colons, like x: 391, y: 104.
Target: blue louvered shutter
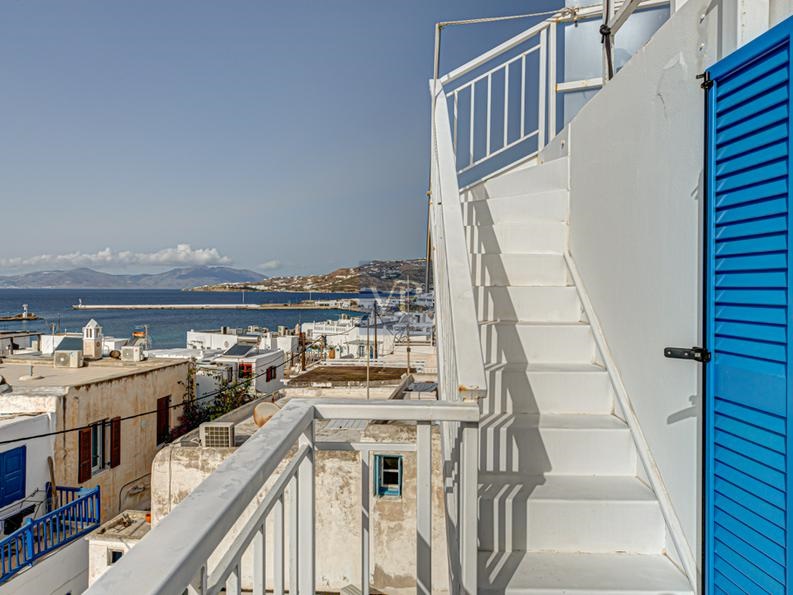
x: 748, y: 259
x: 12, y: 475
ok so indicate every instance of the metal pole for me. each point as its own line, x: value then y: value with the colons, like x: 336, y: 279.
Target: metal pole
x: 368, y: 358
x: 407, y: 329
x: 435, y: 73
x: 376, y: 354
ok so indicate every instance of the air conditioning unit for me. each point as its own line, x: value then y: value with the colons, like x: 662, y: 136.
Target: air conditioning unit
x: 131, y: 353
x: 68, y: 359
x: 217, y: 434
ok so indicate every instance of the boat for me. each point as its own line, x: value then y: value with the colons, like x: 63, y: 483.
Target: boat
x: 22, y: 316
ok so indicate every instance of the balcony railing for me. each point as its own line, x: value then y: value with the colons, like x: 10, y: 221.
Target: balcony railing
x: 505, y: 104
x: 77, y: 513
x: 199, y: 546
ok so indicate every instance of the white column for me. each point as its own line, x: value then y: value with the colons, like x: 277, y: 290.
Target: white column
x: 306, y: 504
x: 365, y: 491
x: 423, y: 508
x: 468, y: 510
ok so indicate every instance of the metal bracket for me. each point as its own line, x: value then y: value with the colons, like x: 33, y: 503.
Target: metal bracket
x: 699, y: 354
x: 707, y: 82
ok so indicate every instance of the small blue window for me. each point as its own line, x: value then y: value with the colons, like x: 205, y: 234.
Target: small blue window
x: 12, y: 475
x: 388, y: 475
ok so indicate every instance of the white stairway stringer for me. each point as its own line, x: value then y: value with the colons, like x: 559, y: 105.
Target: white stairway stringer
x: 561, y: 506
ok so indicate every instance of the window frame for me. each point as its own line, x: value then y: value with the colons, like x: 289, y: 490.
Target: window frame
x: 99, y: 445
x: 388, y: 489
x: 248, y: 367
x: 162, y: 427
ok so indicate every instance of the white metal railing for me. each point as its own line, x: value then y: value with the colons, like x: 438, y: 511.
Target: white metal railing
x: 508, y: 64
x: 198, y: 547
x: 543, y: 38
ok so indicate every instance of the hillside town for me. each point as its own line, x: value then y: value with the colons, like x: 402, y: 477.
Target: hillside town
x: 381, y: 275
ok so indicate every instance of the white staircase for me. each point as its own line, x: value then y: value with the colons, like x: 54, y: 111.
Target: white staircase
x: 561, y: 508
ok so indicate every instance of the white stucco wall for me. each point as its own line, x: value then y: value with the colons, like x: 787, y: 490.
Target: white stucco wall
x: 635, y: 177
x: 36, y: 452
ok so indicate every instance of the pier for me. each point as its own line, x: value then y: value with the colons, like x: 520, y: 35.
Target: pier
x: 282, y: 306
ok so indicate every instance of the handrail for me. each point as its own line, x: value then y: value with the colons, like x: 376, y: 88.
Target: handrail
x: 449, y: 233
x: 38, y: 537
x: 180, y: 552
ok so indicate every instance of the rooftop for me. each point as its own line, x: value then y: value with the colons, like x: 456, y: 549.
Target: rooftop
x: 130, y: 524
x: 342, y: 374
x: 38, y: 372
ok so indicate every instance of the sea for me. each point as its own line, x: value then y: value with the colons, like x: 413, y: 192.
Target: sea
x: 167, y: 328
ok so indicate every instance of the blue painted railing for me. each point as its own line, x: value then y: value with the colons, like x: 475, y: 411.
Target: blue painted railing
x: 77, y: 513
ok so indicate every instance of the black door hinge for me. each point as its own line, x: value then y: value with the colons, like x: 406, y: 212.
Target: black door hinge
x: 707, y: 82
x: 699, y: 354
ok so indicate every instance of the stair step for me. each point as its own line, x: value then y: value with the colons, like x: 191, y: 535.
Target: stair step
x: 597, y: 514
x: 518, y: 237
x: 559, y: 444
x: 552, y: 205
x: 537, y: 342
x: 551, y: 175
x: 519, y: 269
x: 548, y: 388
x: 538, y: 304
x: 554, y: 573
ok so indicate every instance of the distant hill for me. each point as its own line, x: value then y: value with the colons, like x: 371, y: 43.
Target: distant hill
x: 84, y: 278
x: 382, y: 275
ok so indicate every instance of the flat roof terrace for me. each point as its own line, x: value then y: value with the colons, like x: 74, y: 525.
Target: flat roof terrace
x: 38, y: 372
x: 344, y: 374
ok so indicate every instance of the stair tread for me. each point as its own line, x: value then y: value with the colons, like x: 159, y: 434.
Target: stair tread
x: 571, y: 367
x: 563, y: 421
x: 551, y: 323
x: 582, y: 573
x: 527, y: 195
x: 624, y: 488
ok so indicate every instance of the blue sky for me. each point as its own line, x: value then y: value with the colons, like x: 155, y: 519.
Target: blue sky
x: 287, y: 137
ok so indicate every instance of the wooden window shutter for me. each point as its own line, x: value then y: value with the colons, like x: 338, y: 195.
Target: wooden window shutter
x: 115, y: 442
x: 163, y: 421
x: 84, y: 455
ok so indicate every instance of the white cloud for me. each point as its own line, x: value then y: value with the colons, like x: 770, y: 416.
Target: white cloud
x: 181, y: 255
x: 269, y: 265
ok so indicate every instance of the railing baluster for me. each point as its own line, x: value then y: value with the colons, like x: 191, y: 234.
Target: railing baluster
x: 522, y: 95
x: 471, y: 127
x: 234, y: 581
x: 541, y: 115
x: 292, y: 492
x: 278, y: 546
x: 506, y: 104
x: 306, y: 505
x: 423, y: 508
x: 198, y: 586
x: 456, y: 125
x: 552, y: 79
x: 260, y: 560
x: 365, y: 492
x: 489, y: 115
